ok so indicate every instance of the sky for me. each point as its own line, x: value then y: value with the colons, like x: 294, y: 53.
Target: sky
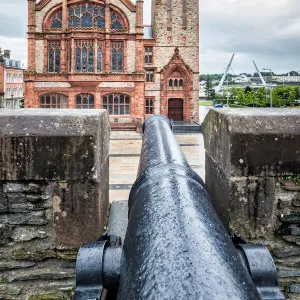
x: 266, y: 31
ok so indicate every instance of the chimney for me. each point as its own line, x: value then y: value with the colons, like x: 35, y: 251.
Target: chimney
x: 6, y: 53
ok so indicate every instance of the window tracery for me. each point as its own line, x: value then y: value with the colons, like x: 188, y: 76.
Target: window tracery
x: 85, y: 101
x: 56, y: 20
x: 86, y: 15
x: 184, y: 16
x: 54, y: 56
x: 115, y: 22
x: 84, y: 56
x: 117, y: 104
x: 53, y: 101
x: 117, y: 56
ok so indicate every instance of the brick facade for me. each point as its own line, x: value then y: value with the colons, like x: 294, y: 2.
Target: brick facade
x: 171, y: 46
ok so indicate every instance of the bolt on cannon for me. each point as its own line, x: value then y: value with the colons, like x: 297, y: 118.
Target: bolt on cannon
x: 175, y: 246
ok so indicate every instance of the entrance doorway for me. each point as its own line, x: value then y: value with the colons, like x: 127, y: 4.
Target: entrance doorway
x: 175, y: 109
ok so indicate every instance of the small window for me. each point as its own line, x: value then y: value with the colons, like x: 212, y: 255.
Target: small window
x: 181, y: 83
x: 149, y: 106
x: 175, y: 83
x: 117, y: 104
x: 148, y: 55
x: 150, y: 76
x: 117, y: 56
x: 85, y: 101
x: 170, y: 83
x: 53, y: 101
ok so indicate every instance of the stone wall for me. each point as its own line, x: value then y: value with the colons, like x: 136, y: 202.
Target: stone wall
x: 53, y: 197
x: 253, y: 177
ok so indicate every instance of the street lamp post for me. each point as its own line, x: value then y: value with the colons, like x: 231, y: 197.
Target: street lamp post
x: 271, y: 105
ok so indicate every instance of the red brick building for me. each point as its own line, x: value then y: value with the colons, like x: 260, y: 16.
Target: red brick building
x: 98, y: 54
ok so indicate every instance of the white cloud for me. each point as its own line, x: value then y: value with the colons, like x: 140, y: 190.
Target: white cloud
x: 267, y: 31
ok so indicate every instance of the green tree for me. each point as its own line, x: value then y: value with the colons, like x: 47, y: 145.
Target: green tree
x: 208, y: 86
x: 260, y: 97
x: 241, y: 98
x: 247, y: 90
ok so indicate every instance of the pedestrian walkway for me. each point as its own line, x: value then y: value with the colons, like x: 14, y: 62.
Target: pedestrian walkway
x: 125, y: 149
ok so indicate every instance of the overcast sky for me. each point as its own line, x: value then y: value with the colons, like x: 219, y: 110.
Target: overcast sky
x: 267, y: 31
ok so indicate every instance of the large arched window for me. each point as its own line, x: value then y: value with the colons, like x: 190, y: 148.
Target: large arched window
x: 53, y: 101
x: 116, y: 23
x: 56, y: 20
x: 86, y: 15
x: 85, y: 101
x: 117, y: 104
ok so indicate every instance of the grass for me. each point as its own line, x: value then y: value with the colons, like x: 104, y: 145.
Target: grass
x: 205, y: 103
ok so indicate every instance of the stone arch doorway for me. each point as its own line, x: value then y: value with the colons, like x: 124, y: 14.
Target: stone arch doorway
x: 175, y: 109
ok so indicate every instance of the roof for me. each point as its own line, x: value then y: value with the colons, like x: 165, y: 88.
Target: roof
x: 12, y: 63
x: 148, y: 32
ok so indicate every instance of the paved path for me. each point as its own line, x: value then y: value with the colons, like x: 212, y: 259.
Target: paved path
x: 125, y: 149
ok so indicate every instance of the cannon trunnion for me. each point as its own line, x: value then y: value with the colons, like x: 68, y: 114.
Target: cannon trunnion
x: 175, y: 246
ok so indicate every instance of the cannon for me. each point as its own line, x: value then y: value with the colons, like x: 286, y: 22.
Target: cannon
x: 175, y: 246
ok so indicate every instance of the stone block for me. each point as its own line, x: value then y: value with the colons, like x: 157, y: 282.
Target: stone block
x: 28, y: 233
x: 254, y: 142
x: 56, y: 172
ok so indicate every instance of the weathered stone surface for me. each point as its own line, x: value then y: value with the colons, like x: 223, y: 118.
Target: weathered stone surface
x: 254, y: 142
x: 288, y: 273
x: 33, y: 255
x: 52, y: 296
x: 5, y: 265
x: 295, y: 288
x: 3, y: 203
x: 290, y: 218
x: 41, y: 275
x: 286, y: 252
x: 5, y: 233
x: 28, y: 233
x: 13, y: 187
x: 64, y: 145
x: 9, y: 289
x: 30, y: 218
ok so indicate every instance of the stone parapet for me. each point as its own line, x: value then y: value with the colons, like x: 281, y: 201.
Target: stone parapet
x: 253, y: 178
x: 53, y: 197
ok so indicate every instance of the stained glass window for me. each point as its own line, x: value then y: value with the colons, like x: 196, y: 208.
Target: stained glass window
x: 99, y: 58
x: 184, y: 13
x: 150, y: 76
x: 53, y: 101
x: 54, y: 56
x: 86, y: 15
x: 149, y: 106
x: 117, y: 56
x: 56, y: 21
x: 117, y: 104
x: 169, y: 13
x: 116, y: 23
x: 148, y: 55
x: 84, y: 56
x: 85, y: 101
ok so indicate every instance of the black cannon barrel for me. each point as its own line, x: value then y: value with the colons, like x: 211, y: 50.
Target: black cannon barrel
x: 176, y: 246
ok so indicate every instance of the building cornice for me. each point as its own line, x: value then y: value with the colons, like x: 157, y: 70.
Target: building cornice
x: 42, y: 3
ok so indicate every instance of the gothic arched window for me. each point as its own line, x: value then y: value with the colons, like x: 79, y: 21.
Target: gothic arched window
x: 99, y: 57
x: 85, y: 101
x: 117, y: 104
x: 170, y: 83
x: 84, y: 56
x: 54, y: 56
x: 169, y: 13
x: 53, y: 101
x: 184, y: 13
x: 117, y: 56
x: 116, y: 23
x: 181, y: 83
x: 86, y: 15
x: 56, y: 21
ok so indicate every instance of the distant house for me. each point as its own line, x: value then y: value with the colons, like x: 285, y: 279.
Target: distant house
x: 241, y: 79
x: 12, y: 81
